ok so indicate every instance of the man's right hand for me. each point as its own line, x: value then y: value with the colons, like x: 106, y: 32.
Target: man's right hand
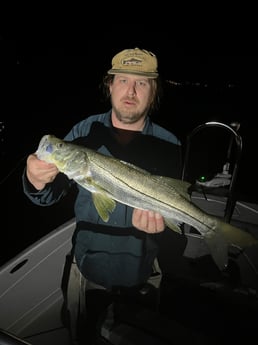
x: 39, y: 173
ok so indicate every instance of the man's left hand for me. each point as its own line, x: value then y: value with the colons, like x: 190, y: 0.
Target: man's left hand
x: 148, y: 221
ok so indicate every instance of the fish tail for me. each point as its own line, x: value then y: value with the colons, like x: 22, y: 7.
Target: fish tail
x: 218, y: 248
x: 222, y: 237
x: 236, y: 236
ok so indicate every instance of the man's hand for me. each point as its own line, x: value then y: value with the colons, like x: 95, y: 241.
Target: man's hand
x: 148, y: 221
x: 39, y: 172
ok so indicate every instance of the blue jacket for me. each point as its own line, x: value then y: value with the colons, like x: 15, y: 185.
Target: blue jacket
x: 114, y: 253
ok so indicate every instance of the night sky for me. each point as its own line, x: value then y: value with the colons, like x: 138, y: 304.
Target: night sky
x: 57, y: 84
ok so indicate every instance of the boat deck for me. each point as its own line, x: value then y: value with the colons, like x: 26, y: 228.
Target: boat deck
x: 198, y: 303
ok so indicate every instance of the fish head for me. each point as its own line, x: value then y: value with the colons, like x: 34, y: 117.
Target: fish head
x: 68, y: 157
x: 52, y: 150
x: 47, y: 147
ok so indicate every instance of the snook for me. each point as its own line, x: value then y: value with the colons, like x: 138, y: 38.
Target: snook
x: 110, y: 180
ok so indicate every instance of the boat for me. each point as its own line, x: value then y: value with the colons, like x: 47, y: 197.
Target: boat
x: 197, y: 304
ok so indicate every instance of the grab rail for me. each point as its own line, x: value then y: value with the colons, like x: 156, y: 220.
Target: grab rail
x: 231, y: 200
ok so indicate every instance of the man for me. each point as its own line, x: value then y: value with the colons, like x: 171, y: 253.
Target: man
x: 117, y: 257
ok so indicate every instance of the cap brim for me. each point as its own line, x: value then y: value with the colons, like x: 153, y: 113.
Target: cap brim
x: 145, y: 74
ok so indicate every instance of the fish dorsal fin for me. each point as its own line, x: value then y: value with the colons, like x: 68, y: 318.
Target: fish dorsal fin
x: 104, y: 205
x: 179, y: 185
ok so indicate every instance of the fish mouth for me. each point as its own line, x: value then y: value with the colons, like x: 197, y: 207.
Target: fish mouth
x: 45, y: 147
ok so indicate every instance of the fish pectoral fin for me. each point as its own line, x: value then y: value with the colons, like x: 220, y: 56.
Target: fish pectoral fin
x: 171, y: 224
x: 104, y: 205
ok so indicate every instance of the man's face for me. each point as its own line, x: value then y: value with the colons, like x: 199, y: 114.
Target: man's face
x: 130, y: 97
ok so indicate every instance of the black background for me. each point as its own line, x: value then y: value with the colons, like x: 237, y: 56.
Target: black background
x: 50, y: 83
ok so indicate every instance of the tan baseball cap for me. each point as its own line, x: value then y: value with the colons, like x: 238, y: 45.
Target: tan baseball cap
x: 135, y: 61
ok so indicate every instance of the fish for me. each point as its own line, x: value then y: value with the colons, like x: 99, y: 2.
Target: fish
x: 111, y: 180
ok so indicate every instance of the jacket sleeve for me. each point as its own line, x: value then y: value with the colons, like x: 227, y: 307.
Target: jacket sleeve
x: 49, y: 195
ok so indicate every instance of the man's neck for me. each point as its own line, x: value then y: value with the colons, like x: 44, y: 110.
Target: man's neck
x: 137, y: 126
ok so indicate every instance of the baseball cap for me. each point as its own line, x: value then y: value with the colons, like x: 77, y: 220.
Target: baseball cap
x: 135, y: 61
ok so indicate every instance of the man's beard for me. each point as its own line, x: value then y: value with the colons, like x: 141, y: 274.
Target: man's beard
x: 128, y: 117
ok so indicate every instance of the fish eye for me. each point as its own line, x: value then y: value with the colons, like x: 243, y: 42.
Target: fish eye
x: 49, y: 148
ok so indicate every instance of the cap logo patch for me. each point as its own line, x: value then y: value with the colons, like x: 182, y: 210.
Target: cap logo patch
x: 131, y: 62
